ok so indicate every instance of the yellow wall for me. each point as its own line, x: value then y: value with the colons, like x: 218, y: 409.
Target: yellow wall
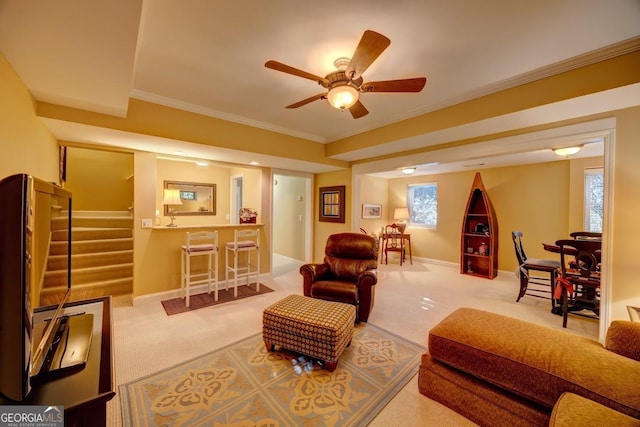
x: 626, y: 227
x: 157, y: 252
x: 322, y: 230
x: 374, y: 190
x: 99, y: 180
x: 252, y: 187
x: 27, y: 145
x: 173, y: 170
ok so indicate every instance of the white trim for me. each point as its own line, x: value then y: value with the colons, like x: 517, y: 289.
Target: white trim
x: 607, y: 234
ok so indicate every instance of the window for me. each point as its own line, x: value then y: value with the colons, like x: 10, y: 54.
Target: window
x: 593, y: 199
x: 422, y: 201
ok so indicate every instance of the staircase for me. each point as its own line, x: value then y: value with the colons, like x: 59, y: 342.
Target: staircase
x: 102, y: 256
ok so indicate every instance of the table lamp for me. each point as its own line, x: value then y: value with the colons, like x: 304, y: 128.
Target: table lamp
x: 401, y: 214
x: 171, y: 197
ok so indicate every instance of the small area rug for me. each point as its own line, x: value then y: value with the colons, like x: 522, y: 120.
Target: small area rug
x: 244, y: 385
x: 177, y: 305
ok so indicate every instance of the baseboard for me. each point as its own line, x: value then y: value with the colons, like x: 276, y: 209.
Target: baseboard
x: 174, y: 293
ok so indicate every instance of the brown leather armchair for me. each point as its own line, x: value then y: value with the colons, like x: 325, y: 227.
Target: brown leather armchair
x: 348, y: 274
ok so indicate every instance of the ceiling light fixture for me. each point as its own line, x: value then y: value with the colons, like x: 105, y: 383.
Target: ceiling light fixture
x: 408, y: 171
x: 343, y: 97
x: 567, y: 151
x: 202, y: 164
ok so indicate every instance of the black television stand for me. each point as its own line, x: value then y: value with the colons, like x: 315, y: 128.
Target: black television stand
x: 84, y: 393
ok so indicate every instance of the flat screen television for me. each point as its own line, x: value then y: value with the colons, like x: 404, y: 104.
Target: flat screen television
x: 35, y: 232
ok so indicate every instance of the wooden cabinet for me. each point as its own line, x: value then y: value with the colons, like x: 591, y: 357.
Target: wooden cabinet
x: 479, y: 242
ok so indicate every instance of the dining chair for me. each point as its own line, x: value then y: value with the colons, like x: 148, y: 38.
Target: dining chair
x: 579, y: 283
x: 393, y: 242
x: 542, y: 273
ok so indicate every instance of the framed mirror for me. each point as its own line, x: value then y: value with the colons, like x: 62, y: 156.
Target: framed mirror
x: 195, y: 198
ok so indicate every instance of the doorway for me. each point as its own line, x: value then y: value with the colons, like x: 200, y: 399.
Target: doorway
x: 292, y: 207
x: 237, y: 188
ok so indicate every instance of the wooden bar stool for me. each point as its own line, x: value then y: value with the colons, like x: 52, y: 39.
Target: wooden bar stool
x: 247, y: 241
x: 209, y: 249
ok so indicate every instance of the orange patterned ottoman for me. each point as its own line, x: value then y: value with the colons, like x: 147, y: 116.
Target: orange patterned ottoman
x: 313, y: 327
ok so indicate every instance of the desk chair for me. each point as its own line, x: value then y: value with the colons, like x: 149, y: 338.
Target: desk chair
x: 189, y: 250
x: 244, y: 241
x: 393, y: 242
x: 541, y: 272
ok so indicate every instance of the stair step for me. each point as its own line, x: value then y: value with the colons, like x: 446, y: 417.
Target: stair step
x: 90, y: 233
x: 87, y: 275
x: 88, y: 214
x: 91, y: 246
x: 102, y: 255
x: 96, y: 259
x: 102, y: 221
x: 52, y: 295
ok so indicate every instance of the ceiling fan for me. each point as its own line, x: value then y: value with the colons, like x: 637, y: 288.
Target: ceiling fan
x: 346, y: 84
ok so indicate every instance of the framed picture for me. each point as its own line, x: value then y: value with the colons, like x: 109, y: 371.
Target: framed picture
x: 370, y: 211
x: 332, y: 204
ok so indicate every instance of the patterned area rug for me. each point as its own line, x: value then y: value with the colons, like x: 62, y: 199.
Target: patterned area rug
x: 177, y: 305
x: 244, y: 385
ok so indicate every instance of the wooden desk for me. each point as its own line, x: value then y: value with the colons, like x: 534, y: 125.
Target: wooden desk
x: 404, y: 237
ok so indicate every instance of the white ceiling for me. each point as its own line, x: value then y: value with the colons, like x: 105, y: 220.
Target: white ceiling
x: 208, y: 56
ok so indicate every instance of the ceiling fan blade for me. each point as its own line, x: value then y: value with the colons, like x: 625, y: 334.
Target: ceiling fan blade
x: 403, y: 85
x: 308, y: 100
x: 279, y: 66
x: 371, y: 45
x: 358, y: 110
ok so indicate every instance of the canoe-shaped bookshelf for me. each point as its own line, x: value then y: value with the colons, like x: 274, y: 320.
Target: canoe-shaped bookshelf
x: 479, y: 242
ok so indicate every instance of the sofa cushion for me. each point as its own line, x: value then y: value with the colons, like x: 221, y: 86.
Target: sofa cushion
x: 573, y: 410
x: 535, y: 362
x: 623, y: 337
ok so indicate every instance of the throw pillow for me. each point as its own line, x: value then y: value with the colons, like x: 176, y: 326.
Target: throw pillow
x: 623, y: 337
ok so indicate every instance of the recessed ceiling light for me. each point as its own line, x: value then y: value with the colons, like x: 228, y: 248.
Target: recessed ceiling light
x: 202, y: 164
x: 180, y: 153
x: 254, y: 163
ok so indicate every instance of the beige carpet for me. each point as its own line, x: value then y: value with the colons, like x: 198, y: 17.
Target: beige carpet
x: 243, y: 384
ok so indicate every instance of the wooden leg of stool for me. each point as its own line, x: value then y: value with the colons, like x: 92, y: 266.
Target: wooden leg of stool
x: 269, y: 346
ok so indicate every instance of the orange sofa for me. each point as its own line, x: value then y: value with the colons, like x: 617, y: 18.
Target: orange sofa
x: 500, y: 371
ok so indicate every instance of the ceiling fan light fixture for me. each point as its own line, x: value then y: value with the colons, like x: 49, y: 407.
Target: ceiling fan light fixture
x: 567, y: 151
x: 342, y: 97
